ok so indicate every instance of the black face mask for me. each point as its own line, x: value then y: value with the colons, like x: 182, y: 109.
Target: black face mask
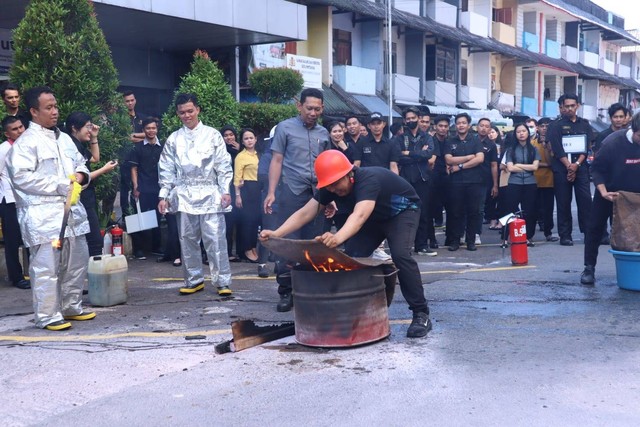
x: 412, y: 125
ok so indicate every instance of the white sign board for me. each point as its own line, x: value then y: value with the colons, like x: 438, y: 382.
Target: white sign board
x: 310, y: 68
x: 6, y: 51
x: 574, y: 144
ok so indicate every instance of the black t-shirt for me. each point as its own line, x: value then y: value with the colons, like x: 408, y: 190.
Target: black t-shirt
x: 562, y: 127
x: 372, y: 153
x: 391, y: 193
x: 597, y: 143
x: 127, y: 150
x: 617, y: 164
x: 490, y: 151
x: 457, y: 147
x: 440, y: 166
x: 82, y: 149
x: 146, y: 157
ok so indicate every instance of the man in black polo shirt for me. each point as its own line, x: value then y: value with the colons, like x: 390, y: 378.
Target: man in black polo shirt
x: 135, y: 137
x: 377, y: 149
x: 416, y: 150
x: 464, y: 154
x: 490, y: 172
x: 144, y: 176
x: 569, y: 173
x: 352, y: 136
x: 615, y: 168
x: 618, y: 116
x: 11, y: 99
x: 440, y: 179
x: 381, y: 206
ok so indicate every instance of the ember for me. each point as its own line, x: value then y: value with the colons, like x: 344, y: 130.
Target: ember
x: 326, y: 266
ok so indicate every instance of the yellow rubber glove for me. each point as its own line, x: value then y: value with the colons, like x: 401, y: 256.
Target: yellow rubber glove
x: 75, y: 190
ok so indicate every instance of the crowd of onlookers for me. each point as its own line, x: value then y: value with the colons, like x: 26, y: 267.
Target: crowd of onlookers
x: 475, y: 176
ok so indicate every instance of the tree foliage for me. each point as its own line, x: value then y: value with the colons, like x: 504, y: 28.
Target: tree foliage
x: 60, y: 44
x: 276, y: 85
x: 205, y: 80
x: 262, y: 117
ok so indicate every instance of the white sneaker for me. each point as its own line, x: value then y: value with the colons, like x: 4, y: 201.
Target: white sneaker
x: 478, y: 241
x: 380, y: 254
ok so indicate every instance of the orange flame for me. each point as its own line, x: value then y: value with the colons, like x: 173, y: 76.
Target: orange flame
x: 326, y: 266
x: 57, y: 244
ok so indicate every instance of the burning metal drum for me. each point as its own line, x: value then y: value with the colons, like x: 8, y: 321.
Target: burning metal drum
x: 338, y: 301
x: 340, y: 308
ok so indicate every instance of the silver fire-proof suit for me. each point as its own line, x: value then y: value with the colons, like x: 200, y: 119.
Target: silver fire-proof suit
x: 194, y: 172
x: 39, y: 165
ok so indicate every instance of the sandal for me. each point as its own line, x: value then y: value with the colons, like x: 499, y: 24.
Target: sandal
x: 253, y: 258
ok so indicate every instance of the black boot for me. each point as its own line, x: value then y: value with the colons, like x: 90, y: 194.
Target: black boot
x: 588, y: 275
x: 285, y: 304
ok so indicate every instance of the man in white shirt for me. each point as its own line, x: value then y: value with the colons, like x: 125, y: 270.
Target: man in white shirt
x: 13, y: 128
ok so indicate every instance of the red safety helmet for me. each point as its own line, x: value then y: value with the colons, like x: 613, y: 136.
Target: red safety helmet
x: 330, y: 166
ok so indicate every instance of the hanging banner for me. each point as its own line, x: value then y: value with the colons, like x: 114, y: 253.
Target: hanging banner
x: 267, y: 56
x: 6, y: 52
x: 310, y: 68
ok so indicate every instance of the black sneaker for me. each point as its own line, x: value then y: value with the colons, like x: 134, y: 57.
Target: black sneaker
x: 566, y: 242
x: 285, y: 303
x: 454, y: 246
x: 588, y: 275
x: 22, y: 284
x: 263, y: 271
x: 157, y: 252
x: 420, y: 325
x: 139, y: 255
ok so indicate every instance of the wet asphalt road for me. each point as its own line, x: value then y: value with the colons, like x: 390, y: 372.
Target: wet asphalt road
x: 510, y: 346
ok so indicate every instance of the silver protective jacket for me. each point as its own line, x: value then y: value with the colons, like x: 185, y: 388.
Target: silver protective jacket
x: 195, y: 171
x: 39, y: 165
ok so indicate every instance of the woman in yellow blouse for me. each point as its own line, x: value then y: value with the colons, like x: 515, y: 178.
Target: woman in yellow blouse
x: 245, y: 180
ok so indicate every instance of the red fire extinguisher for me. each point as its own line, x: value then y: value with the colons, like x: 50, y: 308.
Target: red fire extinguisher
x: 518, y: 237
x: 116, y: 240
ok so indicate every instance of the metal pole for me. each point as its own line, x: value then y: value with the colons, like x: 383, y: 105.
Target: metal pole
x: 389, y: 65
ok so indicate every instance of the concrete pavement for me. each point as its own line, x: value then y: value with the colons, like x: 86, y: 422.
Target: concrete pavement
x: 519, y: 346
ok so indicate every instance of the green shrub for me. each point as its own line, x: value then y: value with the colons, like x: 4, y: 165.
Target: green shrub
x: 262, y: 117
x: 206, y: 81
x: 276, y: 85
x: 60, y: 44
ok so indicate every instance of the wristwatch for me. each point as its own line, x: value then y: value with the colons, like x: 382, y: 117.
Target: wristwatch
x: 578, y: 163
x: 461, y: 165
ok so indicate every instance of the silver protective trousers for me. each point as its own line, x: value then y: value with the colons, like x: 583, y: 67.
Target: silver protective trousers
x: 211, y: 229
x: 57, y: 279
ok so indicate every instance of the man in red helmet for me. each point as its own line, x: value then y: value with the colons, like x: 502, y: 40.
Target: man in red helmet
x: 381, y: 205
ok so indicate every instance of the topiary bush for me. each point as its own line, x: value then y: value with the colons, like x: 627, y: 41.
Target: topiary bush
x: 276, y: 85
x: 262, y: 117
x: 206, y: 81
x: 60, y: 44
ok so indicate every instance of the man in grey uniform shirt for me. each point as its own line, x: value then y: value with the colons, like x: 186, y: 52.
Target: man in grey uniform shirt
x: 292, y: 180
